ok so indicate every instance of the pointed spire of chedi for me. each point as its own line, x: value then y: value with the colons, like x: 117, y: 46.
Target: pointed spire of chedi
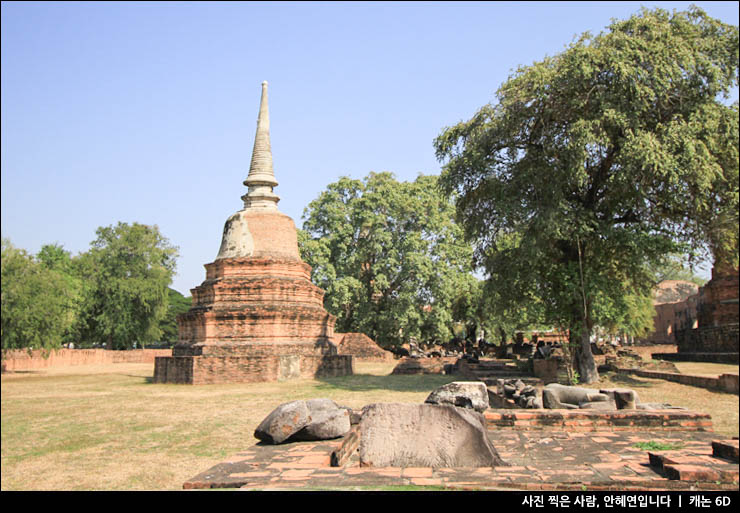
x: 260, y: 230
x: 261, y: 178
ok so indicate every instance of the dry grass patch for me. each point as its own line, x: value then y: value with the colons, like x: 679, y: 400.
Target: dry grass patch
x: 107, y: 427
x: 722, y: 406
x: 706, y: 369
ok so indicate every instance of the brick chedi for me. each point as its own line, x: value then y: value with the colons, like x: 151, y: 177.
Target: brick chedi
x: 257, y: 316
x: 718, y: 300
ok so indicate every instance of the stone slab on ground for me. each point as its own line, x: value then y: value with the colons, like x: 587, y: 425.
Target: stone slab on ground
x: 540, y: 460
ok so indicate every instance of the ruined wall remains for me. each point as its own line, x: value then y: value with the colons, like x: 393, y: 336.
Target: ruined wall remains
x: 710, y: 339
x: 249, y: 369
x: 718, y: 299
x: 362, y: 347
x: 17, y: 360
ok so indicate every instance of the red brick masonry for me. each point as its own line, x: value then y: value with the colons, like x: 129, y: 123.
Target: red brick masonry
x: 256, y: 318
x: 362, y: 347
x: 589, y: 420
x: 18, y: 360
x: 541, y: 460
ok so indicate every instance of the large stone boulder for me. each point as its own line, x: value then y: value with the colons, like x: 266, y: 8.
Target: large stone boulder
x: 313, y: 419
x: 327, y: 421
x: 424, y: 435
x: 465, y: 394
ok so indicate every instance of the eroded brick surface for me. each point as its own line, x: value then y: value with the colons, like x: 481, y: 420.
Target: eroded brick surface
x: 539, y: 460
x: 256, y: 318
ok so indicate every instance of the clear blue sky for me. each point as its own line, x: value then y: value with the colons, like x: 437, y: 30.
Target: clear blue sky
x: 145, y: 112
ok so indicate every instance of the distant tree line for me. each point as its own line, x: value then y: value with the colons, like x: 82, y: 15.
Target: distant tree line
x: 395, y: 265
x: 116, y: 294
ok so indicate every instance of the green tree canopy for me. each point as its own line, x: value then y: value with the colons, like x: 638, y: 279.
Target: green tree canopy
x: 594, y: 163
x: 130, y: 268
x: 35, y: 302
x: 389, y: 256
x: 675, y: 267
x: 176, y: 304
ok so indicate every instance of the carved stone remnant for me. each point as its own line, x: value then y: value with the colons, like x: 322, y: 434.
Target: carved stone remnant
x: 424, y: 435
x: 557, y: 396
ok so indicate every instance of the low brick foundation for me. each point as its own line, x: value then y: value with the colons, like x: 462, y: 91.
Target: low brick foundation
x: 409, y: 365
x: 699, y: 357
x: 589, y: 420
x: 709, y: 339
x: 18, y: 360
x: 723, y: 383
x: 204, y: 370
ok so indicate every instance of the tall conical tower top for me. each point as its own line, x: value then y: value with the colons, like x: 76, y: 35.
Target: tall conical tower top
x: 261, y: 178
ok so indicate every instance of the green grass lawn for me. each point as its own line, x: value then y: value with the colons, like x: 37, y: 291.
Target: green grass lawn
x: 108, y: 427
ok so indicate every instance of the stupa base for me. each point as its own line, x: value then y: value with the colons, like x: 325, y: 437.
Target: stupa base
x: 203, y: 370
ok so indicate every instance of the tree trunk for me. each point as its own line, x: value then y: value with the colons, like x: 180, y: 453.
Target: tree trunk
x: 586, y: 365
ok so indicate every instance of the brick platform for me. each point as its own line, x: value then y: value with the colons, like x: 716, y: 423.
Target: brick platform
x: 540, y: 460
x: 590, y: 420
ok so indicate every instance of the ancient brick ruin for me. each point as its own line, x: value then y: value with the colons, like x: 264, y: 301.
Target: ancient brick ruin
x: 257, y: 316
x: 715, y: 336
x: 718, y: 299
x: 675, y: 303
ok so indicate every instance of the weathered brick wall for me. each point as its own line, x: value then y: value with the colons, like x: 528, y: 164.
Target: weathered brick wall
x: 17, y: 360
x: 327, y: 366
x: 410, y: 365
x: 699, y: 357
x: 710, y: 339
x: 725, y: 382
x: 204, y: 370
x: 585, y: 420
x: 671, y: 317
x: 718, y: 301
x: 306, y: 348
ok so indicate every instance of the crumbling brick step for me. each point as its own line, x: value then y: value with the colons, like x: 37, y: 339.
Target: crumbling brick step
x: 538, y: 460
x: 589, y: 420
x: 726, y: 449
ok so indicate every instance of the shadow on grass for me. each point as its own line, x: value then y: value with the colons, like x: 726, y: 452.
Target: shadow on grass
x: 395, y: 383
x: 627, y: 379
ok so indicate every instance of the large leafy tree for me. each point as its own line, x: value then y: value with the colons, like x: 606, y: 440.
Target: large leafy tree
x: 130, y: 268
x: 389, y: 256
x: 35, y: 302
x: 71, y: 271
x: 596, y: 162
